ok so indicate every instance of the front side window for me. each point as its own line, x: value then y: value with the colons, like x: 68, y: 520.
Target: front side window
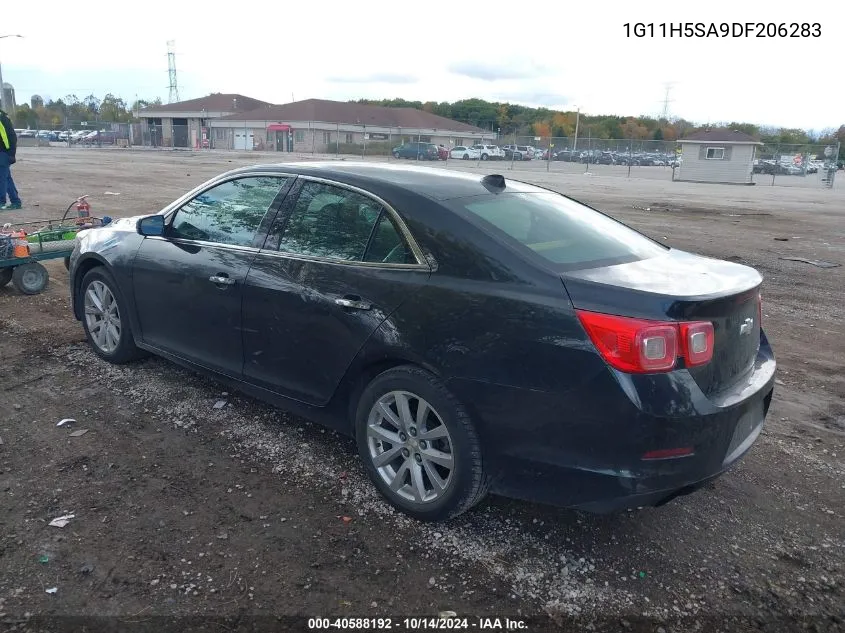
x: 229, y: 213
x: 562, y: 231
x: 329, y: 221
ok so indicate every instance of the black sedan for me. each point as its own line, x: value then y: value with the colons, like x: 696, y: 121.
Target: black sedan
x: 470, y: 332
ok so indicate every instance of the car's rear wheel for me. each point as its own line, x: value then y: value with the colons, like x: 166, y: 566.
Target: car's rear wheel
x: 484, y: 157
x: 105, y: 318
x: 465, y: 157
x: 396, y: 155
x: 419, y: 446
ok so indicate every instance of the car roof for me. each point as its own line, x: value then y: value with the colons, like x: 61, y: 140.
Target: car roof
x: 434, y: 183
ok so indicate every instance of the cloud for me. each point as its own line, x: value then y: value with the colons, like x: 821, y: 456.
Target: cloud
x: 510, y: 68
x: 375, y: 78
x: 534, y: 99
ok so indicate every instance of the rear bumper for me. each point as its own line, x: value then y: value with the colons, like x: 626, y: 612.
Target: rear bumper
x: 585, y: 449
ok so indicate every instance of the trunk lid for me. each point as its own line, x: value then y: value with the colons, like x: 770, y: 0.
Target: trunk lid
x: 680, y: 286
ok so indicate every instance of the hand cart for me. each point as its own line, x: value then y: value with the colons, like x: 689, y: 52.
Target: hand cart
x: 24, y: 245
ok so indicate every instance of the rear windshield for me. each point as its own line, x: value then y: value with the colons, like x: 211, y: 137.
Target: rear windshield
x: 562, y: 231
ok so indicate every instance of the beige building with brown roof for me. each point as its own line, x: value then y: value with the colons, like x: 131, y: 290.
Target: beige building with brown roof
x: 322, y: 126
x: 184, y: 123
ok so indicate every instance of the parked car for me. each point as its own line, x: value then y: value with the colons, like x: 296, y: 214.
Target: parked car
x: 417, y: 151
x: 512, y: 152
x: 28, y: 133
x: 101, y: 137
x: 479, y: 332
x: 465, y: 153
x: 489, y: 152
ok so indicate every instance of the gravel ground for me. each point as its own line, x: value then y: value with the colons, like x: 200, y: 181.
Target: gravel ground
x: 183, y: 509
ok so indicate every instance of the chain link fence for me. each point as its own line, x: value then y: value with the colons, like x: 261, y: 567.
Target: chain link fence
x: 807, y: 165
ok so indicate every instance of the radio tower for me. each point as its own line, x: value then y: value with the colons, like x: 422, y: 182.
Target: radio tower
x: 171, y: 71
x: 667, y: 100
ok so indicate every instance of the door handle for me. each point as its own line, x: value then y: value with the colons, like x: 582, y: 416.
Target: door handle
x: 353, y: 302
x: 221, y: 279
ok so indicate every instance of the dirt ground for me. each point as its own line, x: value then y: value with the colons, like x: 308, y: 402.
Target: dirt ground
x: 183, y: 510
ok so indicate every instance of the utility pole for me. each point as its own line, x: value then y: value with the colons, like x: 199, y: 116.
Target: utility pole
x: 577, y: 120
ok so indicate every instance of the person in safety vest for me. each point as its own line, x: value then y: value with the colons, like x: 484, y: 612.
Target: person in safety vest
x: 8, y: 149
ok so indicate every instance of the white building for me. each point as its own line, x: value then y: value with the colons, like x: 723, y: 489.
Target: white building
x: 717, y: 156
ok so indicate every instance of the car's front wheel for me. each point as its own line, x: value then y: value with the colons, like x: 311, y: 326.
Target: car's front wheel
x: 419, y: 446
x: 105, y: 318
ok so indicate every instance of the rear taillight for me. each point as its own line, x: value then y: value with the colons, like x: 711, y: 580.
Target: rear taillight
x: 641, y: 346
x: 696, y: 342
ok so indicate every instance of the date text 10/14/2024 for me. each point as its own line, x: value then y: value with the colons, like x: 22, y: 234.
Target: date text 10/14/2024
x: 722, y: 29
x: 418, y: 624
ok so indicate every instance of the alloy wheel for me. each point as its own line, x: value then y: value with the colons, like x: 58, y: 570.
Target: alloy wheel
x: 102, y: 317
x: 410, y: 447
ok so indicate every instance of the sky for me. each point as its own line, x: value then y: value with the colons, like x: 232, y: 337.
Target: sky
x: 562, y: 55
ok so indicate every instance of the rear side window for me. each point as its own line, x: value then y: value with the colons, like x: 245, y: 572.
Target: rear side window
x: 329, y: 221
x: 562, y: 231
x: 387, y: 245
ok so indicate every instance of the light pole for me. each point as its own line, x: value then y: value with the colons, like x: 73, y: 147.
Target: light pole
x: 2, y: 85
x: 577, y: 119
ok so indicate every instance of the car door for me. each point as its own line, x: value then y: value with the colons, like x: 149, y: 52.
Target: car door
x: 188, y: 283
x: 338, y: 262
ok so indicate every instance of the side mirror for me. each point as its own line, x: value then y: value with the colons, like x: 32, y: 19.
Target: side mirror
x: 151, y: 225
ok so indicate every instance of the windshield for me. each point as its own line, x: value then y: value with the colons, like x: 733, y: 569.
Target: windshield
x: 562, y: 231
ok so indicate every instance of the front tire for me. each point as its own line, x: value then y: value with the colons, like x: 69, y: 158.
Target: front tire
x: 484, y: 157
x: 5, y: 275
x: 105, y: 318
x: 419, y: 446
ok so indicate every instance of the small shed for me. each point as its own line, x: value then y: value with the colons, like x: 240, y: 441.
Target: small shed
x: 718, y: 156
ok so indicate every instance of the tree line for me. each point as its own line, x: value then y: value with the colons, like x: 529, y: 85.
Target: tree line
x: 510, y: 119
x: 72, y: 111
x: 506, y: 119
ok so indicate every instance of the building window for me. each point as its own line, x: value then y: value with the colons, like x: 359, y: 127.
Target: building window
x: 219, y: 133
x: 327, y: 137
x: 349, y: 138
x: 299, y: 136
x: 424, y: 139
x: 270, y: 137
x: 715, y: 153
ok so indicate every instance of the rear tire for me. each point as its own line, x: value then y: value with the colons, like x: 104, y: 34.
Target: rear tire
x: 105, y: 318
x: 426, y: 463
x: 30, y: 278
x: 5, y: 276
x: 484, y: 157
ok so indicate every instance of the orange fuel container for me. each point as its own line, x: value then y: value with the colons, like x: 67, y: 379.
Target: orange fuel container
x: 21, y: 248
